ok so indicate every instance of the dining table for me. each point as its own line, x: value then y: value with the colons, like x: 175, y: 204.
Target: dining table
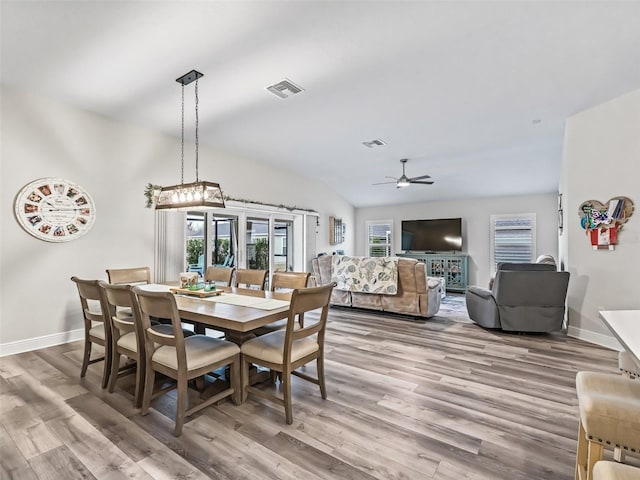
x: 625, y: 326
x: 233, y: 310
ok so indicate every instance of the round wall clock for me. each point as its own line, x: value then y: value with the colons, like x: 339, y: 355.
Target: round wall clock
x: 55, y: 210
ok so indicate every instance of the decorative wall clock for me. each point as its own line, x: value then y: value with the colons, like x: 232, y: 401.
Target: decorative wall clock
x: 55, y: 210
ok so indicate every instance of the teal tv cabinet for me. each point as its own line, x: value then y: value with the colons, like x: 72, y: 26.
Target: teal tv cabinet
x: 453, y: 267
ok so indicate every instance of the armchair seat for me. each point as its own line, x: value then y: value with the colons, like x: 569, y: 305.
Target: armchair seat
x: 521, y: 299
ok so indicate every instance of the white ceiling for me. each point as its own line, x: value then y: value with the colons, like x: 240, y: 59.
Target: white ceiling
x: 475, y: 94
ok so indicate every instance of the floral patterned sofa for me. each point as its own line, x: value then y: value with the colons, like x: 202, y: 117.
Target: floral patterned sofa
x: 413, y: 294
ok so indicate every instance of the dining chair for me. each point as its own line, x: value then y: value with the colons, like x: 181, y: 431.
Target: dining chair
x: 130, y: 276
x: 288, y: 280
x: 246, y: 278
x: 180, y: 358
x: 284, y: 351
x: 283, y: 281
x: 219, y: 274
x: 97, y: 327
x: 127, y: 336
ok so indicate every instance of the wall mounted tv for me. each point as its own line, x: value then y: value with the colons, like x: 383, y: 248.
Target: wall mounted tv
x: 438, y: 235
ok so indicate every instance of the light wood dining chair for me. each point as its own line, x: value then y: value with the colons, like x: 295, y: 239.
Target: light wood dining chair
x: 180, y: 358
x: 127, y: 336
x: 283, y: 281
x: 130, y: 276
x: 220, y: 275
x: 246, y: 278
x: 97, y: 327
x: 288, y: 280
x: 286, y: 350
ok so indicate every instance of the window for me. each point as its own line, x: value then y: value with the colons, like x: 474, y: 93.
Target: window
x: 379, y: 238
x: 513, y: 238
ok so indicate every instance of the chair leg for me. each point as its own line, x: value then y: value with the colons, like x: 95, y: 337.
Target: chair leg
x: 581, y: 454
x: 320, y: 369
x: 85, y: 358
x: 286, y: 390
x: 115, y: 366
x: 182, y: 405
x: 596, y: 452
x: 140, y: 372
x: 149, y: 380
x: 107, y: 365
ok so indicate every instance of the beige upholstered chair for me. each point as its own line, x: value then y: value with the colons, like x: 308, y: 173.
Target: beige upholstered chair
x: 246, y: 278
x: 127, y: 335
x: 604, y: 470
x: 96, y: 325
x: 627, y: 365
x: 220, y: 275
x: 182, y: 358
x: 283, y: 281
x: 609, y: 417
x: 286, y: 350
x: 130, y: 276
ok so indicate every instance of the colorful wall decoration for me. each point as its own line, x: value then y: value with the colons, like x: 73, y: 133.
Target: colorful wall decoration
x: 603, y: 222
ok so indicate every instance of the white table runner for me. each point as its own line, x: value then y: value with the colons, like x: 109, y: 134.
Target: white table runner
x: 248, y: 301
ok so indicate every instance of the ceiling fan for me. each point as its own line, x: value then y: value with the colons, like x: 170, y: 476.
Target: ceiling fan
x: 405, y: 181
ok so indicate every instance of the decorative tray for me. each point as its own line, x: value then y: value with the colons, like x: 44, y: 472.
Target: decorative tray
x: 198, y: 293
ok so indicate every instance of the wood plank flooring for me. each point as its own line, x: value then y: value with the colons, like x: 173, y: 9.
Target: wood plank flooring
x: 407, y: 399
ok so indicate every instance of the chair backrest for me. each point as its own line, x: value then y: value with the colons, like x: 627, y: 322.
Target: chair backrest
x: 228, y: 262
x: 162, y: 305
x: 119, y: 297
x: 251, y: 278
x: 302, y: 301
x: 219, y: 274
x: 289, y: 280
x: 540, y: 267
x: 129, y: 276
x: 90, y: 291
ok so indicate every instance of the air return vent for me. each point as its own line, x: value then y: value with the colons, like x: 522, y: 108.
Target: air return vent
x: 285, y: 88
x: 374, y: 143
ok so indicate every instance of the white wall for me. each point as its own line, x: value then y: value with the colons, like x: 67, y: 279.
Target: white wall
x: 475, y: 225
x: 113, y: 161
x: 601, y: 160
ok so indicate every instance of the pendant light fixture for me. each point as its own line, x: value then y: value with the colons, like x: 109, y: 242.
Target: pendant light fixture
x: 199, y: 194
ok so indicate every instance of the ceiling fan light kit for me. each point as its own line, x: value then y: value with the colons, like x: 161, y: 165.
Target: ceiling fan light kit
x: 404, y: 181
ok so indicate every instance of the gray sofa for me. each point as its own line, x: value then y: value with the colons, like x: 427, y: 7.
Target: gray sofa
x: 525, y: 297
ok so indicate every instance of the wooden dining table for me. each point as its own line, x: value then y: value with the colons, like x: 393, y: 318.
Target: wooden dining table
x: 237, y: 321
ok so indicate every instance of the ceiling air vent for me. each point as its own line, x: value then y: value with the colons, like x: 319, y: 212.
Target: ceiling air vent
x: 374, y: 143
x: 285, y: 88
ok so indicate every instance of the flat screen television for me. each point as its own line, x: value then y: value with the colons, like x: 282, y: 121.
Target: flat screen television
x: 438, y: 235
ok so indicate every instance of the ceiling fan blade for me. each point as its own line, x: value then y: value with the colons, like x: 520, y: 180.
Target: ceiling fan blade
x: 393, y: 178
x: 420, y: 177
x: 421, y: 183
x: 382, y: 183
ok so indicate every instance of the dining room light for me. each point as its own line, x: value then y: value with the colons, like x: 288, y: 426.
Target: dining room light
x: 197, y: 195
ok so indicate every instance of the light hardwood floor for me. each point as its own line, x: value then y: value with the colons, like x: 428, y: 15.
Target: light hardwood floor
x: 407, y: 399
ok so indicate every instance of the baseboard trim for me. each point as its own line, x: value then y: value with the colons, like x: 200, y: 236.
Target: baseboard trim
x: 21, y: 346
x: 594, y: 337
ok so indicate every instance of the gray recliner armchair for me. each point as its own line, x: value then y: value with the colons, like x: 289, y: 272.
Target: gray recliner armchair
x: 525, y: 297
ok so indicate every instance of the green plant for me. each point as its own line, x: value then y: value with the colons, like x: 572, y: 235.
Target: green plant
x: 150, y: 194
x: 262, y: 254
x: 195, y: 248
x: 222, y: 250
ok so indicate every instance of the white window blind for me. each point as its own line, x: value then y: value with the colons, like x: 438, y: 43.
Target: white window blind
x: 513, y: 238
x: 379, y: 238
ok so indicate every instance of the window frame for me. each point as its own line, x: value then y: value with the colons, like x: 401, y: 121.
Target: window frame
x: 388, y: 244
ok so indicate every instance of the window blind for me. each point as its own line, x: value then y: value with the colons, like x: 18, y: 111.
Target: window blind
x: 379, y: 239
x: 513, y: 238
